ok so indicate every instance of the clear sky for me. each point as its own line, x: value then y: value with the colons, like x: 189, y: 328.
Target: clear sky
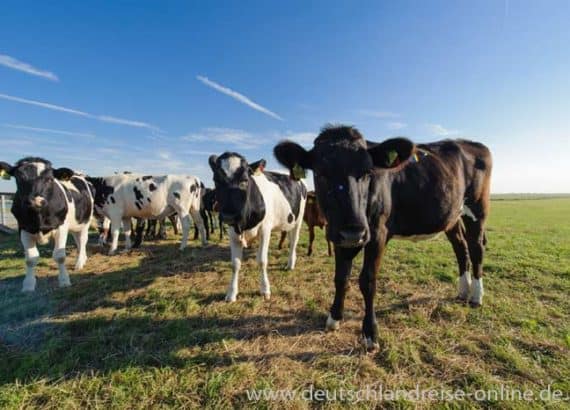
x: 155, y: 87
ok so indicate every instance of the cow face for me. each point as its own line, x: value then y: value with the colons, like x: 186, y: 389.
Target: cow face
x: 236, y: 193
x: 35, y: 180
x: 343, y: 164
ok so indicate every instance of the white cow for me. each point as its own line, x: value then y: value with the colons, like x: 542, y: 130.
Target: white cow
x: 254, y: 202
x: 126, y: 196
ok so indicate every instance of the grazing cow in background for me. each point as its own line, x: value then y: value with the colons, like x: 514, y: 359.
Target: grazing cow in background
x: 50, y: 203
x: 373, y: 192
x: 122, y: 197
x: 253, y: 202
x: 313, y: 217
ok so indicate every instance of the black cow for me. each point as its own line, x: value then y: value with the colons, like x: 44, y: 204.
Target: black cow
x: 50, y: 203
x: 373, y: 192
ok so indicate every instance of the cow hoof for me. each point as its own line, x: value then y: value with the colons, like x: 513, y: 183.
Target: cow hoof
x: 65, y: 283
x: 111, y: 253
x: 231, y: 298
x: 332, y: 324
x: 266, y: 295
x: 29, y: 286
x: 475, y: 304
x: 369, y: 344
x: 461, y: 298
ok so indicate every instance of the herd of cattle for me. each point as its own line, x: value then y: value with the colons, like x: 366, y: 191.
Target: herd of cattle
x: 366, y: 193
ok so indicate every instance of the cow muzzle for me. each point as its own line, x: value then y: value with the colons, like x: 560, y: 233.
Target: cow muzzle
x: 352, y: 236
x: 38, y: 202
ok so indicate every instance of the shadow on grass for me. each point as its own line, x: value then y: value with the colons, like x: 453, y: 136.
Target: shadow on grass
x: 45, y: 335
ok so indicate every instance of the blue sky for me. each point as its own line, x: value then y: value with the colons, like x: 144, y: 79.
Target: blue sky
x: 155, y: 87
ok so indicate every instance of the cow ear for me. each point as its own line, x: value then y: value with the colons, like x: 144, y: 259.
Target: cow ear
x: 5, y: 170
x: 294, y: 157
x: 213, y: 162
x: 392, y: 153
x: 63, y: 174
x: 257, y: 167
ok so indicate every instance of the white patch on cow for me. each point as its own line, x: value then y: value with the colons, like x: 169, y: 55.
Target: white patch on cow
x: 477, y: 292
x: 230, y: 165
x: 40, y: 167
x: 418, y: 238
x: 466, y: 211
x: 332, y: 324
x: 464, y: 285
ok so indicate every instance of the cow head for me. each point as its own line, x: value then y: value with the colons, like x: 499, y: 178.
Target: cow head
x: 236, y: 193
x: 343, y: 163
x: 34, y: 180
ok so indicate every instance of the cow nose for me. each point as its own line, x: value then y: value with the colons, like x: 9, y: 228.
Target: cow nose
x: 352, y: 235
x: 38, y: 202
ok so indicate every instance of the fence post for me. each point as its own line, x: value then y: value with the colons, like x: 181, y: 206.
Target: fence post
x: 2, y: 212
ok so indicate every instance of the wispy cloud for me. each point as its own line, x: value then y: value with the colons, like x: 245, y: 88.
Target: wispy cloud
x: 237, y: 96
x: 48, y: 130
x: 103, y: 118
x: 247, y: 140
x: 378, y: 114
x: 395, y: 125
x: 439, y: 130
x: 18, y: 65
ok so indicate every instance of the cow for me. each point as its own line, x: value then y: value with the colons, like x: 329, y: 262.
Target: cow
x: 122, y: 197
x: 253, y: 202
x: 313, y: 216
x: 373, y: 192
x: 50, y: 203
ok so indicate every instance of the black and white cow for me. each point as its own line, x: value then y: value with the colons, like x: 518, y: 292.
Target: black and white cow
x: 253, y: 202
x: 373, y: 192
x: 122, y: 197
x: 50, y: 203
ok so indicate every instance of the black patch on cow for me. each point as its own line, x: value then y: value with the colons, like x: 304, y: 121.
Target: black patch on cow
x: 67, y: 194
x: 292, y: 190
x: 146, y: 177
x: 176, y: 195
x: 102, y: 190
x: 139, y: 207
x: 138, y: 180
x: 112, y: 199
x: 152, y: 187
x: 290, y: 218
x: 148, y: 199
x: 138, y: 193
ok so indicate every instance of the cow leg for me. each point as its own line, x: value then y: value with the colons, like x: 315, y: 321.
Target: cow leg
x: 161, y: 228
x: 127, y: 233
x: 343, y: 266
x: 104, y: 232
x: 456, y: 236
x: 236, y: 248
x: 115, y: 229
x: 281, y: 240
x: 367, y: 281
x: 221, y: 226
x: 139, y: 231
x: 293, y: 240
x: 262, y: 256
x: 81, y: 239
x: 475, y: 240
x: 32, y: 257
x: 60, y: 240
x: 174, y: 221
x: 311, y: 239
x: 329, y: 247
x: 204, y: 216
x: 185, y: 219
x: 198, y: 221
x: 212, y: 224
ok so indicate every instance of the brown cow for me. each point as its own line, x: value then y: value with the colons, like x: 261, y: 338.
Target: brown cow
x: 313, y: 217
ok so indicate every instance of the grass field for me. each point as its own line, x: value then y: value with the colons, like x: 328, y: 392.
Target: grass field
x: 151, y: 327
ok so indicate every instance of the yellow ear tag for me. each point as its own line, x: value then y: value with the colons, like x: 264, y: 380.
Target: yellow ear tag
x: 298, y: 172
x: 392, y: 156
x: 4, y: 174
x: 258, y: 171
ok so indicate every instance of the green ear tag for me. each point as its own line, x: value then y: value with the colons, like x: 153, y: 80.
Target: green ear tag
x: 392, y: 156
x: 4, y: 174
x: 298, y: 172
